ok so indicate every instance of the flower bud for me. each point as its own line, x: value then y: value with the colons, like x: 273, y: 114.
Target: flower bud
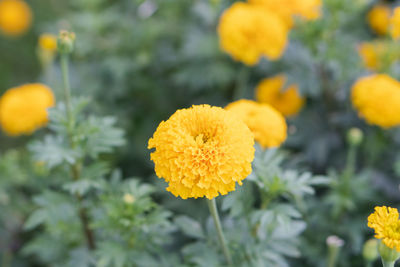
x: 355, y: 136
x: 65, y: 42
x: 129, y: 199
x: 370, y: 250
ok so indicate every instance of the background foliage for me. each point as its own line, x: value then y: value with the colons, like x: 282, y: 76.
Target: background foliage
x: 134, y: 64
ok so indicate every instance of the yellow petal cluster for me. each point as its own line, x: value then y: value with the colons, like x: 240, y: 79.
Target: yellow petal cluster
x: 377, y: 100
x: 271, y: 91
x: 379, y: 19
x: 48, y: 42
x: 395, y: 24
x: 306, y: 9
x: 248, y: 32
x: 385, y: 221
x: 371, y: 53
x: 15, y: 17
x: 24, y: 109
x: 202, y: 151
x: 267, y: 124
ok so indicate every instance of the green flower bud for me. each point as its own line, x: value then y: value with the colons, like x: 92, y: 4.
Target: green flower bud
x: 65, y: 42
x: 370, y: 250
x: 355, y: 136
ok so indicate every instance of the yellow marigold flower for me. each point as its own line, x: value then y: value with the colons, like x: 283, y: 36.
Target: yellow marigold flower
x: 271, y: 91
x: 306, y: 9
x: 379, y: 19
x: 369, y: 53
x: 15, y: 17
x: 24, y: 109
x: 48, y: 42
x: 267, y: 124
x: 202, y: 151
x: 279, y: 7
x: 385, y: 221
x: 395, y: 24
x: 248, y: 32
x: 377, y: 100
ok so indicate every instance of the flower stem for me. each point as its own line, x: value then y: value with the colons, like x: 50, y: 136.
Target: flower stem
x: 66, y: 85
x: 75, y: 167
x: 214, y: 212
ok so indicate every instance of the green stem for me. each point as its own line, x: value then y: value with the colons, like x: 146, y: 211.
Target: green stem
x: 241, y: 81
x: 387, y: 263
x: 66, y: 85
x: 76, y: 167
x: 214, y: 212
x: 332, y: 257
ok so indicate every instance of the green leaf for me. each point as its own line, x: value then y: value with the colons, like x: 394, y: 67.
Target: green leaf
x: 190, y: 227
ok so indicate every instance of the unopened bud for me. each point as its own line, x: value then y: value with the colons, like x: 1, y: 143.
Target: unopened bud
x: 370, y: 250
x: 65, y: 42
x: 129, y: 199
x: 355, y: 136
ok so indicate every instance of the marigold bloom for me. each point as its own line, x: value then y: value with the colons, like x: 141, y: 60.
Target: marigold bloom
x: 202, y: 151
x: 248, y: 32
x: 370, y: 54
x: 267, y: 124
x: 395, y: 24
x: 15, y: 17
x: 306, y: 9
x: 385, y: 221
x: 271, y: 91
x: 379, y: 19
x: 48, y: 42
x: 24, y: 109
x: 377, y: 100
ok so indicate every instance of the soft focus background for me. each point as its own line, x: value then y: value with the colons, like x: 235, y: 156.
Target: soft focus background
x: 139, y: 61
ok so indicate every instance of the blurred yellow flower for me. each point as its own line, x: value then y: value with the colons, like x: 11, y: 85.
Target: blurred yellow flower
x: 371, y: 53
x: 377, y: 100
x: 385, y: 221
x: 202, y: 151
x: 267, y: 124
x: 48, y: 42
x: 395, y: 24
x: 379, y: 19
x: 15, y: 17
x: 248, y: 32
x: 306, y: 9
x: 24, y: 109
x: 271, y: 91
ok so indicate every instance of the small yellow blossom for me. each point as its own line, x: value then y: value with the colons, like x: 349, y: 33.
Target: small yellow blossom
x: 306, y: 9
x: 395, y: 24
x: 267, y: 124
x: 202, y: 151
x: 129, y: 198
x: 385, y: 221
x: 379, y: 19
x: 24, y: 109
x: 15, y: 17
x: 48, y: 42
x: 377, y: 100
x: 370, y: 54
x: 271, y: 91
x: 248, y: 33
